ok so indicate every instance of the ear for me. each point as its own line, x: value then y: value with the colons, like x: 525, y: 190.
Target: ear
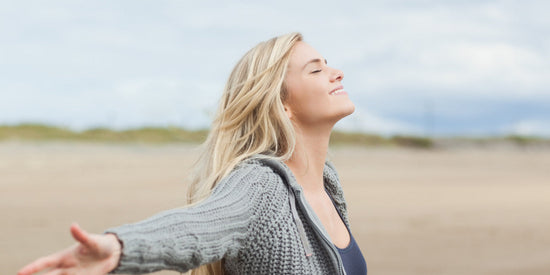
x: 288, y: 111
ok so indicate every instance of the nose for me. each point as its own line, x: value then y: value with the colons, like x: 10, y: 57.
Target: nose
x: 337, y: 75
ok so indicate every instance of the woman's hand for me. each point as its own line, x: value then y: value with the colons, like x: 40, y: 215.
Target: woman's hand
x: 93, y: 254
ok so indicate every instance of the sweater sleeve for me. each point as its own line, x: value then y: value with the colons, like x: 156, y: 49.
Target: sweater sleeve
x: 185, y: 238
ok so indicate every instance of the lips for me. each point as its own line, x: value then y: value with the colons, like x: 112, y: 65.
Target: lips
x: 337, y: 90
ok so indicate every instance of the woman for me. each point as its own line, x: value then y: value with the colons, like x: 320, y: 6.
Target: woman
x: 263, y: 199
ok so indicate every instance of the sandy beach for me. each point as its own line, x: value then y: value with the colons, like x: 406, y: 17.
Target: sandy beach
x: 459, y: 211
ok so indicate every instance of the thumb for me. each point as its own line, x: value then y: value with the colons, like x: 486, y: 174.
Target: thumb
x: 81, y: 236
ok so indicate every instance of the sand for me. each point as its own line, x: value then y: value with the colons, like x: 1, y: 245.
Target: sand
x: 469, y: 211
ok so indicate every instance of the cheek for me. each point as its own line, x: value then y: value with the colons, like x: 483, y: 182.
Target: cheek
x: 309, y: 104
x: 306, y: 92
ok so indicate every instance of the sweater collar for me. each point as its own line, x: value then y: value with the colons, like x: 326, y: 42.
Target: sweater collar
x: 330, y: 178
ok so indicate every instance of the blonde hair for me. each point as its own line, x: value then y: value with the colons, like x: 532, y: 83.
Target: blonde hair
x: 250, y: 120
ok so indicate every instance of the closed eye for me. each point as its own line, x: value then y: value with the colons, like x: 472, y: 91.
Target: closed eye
x: 316, y: 71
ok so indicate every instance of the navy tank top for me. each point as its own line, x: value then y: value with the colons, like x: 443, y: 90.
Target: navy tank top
x: 354, y: 263
x: 352, y: 258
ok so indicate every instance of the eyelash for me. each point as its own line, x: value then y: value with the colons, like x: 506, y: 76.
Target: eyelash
x: 316, y: 71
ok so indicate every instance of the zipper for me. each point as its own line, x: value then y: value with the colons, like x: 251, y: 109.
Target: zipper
x: 323, y: 236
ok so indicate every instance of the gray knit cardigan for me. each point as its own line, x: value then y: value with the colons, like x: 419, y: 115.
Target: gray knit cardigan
x: 257, y: 220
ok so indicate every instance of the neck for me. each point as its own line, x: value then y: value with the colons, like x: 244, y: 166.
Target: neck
x: 308, y: 160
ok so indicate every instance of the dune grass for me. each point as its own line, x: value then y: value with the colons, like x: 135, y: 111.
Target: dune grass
x: 164, y: 135
x: 159, y: 135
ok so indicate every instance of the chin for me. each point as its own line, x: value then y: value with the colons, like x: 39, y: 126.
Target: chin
x: 349, y: 110
x: 345, y: 112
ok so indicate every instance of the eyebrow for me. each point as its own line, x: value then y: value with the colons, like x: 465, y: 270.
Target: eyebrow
x: 315, y: 60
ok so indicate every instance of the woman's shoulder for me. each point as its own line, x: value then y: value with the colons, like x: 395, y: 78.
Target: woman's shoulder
x: 252, y: 173
x: 257, y: 167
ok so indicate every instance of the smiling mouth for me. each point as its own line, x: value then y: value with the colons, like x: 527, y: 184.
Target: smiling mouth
x: 337, y: 90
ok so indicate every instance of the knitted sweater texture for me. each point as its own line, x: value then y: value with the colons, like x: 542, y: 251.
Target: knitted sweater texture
x: 256, y: 219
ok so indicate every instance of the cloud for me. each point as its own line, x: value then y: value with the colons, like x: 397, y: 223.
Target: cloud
x: 159, y: 101
x: 367, y: 122
x: 442, y: 49
x: 529, y: 128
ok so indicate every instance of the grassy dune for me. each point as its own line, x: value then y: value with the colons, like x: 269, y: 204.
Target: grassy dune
x: 164, y: 135
x: 40, y: 132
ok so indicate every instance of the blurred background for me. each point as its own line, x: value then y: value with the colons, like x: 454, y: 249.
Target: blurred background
x: 444, y: 163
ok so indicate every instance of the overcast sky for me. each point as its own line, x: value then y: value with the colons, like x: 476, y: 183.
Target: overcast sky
x: 411, y: 66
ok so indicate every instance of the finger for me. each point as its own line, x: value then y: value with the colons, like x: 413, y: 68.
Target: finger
x: 81, y: 236
x: 40, y: 264
x: 59, y: 272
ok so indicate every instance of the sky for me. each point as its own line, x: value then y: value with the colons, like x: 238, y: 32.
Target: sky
x: 416, y: 67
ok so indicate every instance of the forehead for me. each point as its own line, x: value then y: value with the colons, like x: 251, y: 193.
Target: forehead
x: 301, y: 54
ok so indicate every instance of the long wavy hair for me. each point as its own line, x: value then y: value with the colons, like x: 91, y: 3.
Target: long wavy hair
x: 250, y: 120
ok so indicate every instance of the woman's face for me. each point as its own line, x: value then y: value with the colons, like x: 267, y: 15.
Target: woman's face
x: 315, y: 93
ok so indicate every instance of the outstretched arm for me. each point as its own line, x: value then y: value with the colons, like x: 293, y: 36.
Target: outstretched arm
x: 93, y: 254
x: 178, y: 239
